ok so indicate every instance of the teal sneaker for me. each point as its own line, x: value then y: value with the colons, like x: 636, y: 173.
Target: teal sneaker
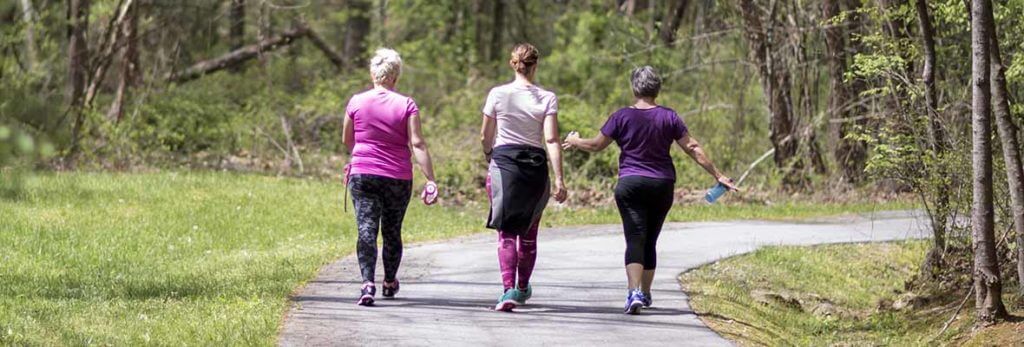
x: 523, y: 295
x: 507, y: 302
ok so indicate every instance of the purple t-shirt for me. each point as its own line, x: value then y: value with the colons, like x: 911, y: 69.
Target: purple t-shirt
x: 380, y: 120
x: 645, y: 137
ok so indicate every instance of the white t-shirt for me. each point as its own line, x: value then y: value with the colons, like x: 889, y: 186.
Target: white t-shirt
x: 520, y: 111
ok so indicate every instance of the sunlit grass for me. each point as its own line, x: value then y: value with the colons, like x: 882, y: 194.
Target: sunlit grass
x: 194, y: 258
x: 204, y: 258
x: 853, y: 277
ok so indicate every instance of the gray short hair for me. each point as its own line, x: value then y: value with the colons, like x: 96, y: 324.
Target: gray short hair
x: 385, y: 65
x: 645, y: 82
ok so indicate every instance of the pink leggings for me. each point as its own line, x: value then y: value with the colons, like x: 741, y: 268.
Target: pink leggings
x: 521, y: 258
x: 516, y: 253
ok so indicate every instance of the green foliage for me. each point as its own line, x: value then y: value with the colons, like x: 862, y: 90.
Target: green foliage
x: 903, y: 148
x: 587, y: 51
x: 18, y: 151
x: 179, y: 122
x: 15, y: 144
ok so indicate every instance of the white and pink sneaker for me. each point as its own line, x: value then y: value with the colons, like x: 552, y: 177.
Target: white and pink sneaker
x: 366, y: 294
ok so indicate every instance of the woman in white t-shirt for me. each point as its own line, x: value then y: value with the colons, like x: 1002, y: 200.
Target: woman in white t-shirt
x: 520, y: 121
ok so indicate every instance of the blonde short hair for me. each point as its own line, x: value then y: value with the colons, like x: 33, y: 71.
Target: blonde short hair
x: 385, y: 65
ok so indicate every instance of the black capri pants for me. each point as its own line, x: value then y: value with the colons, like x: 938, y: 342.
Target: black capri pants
x: 643, y: 203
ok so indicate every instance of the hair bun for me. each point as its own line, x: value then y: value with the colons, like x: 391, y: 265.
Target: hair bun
x: 523, y: 57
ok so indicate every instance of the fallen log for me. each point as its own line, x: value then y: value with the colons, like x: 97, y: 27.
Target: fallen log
x: 238, y: 56
x: 329, y: 51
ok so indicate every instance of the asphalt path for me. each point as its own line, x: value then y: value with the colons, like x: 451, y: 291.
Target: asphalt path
x: 449, y: 287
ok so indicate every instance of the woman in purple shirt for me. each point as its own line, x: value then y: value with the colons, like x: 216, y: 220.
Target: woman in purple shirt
x: 645, y: 133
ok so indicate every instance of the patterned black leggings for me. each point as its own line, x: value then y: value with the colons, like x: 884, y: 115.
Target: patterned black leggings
x: 380, y: 204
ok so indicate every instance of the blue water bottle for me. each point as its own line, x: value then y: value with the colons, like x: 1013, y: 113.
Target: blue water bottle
x: 715, y: 192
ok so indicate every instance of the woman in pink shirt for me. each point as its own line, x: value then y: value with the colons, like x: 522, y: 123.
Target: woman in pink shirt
x: 520, y: 137
x: 382, y: 131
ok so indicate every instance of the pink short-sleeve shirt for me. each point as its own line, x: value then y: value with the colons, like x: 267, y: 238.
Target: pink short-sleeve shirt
x: 380, y: 120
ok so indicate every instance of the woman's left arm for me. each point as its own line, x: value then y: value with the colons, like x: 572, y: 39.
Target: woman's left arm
x: 419, y: 147
x: 554, y: 147
x: 695, y: 151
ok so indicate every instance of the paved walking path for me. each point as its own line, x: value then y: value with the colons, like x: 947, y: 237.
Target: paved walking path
x: 449, y: 287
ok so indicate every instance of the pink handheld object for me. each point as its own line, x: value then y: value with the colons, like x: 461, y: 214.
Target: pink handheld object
x: 429, y: 195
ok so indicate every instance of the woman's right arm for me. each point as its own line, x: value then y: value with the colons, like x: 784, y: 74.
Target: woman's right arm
x: 594, y: 144
x: 348, y: 134
x: 487, y: 133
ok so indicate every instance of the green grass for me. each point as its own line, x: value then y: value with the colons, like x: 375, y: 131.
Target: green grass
x: 855, y: 277
x: 204, y: 258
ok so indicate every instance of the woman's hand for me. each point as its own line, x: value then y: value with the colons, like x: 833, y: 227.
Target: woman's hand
x: 728, y: 183
x: 559, y: 192
x: 430, y: 192
x: 570, y: 140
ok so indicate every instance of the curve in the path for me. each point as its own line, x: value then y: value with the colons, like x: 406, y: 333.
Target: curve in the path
x: 448, y: 288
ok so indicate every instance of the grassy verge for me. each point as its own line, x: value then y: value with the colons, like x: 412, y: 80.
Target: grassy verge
x: 848, y: 294
x: 203, y: 258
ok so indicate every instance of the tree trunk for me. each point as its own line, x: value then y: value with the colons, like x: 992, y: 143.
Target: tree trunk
x: 28, y: 15
x: 856, y: 27
x: 849, y: 153
x: 78, y: 60
x: 236, y: 27
x: 936, y: 134
x: 358, y: 28
x: 671, y: 24
x: 987, y: 284
x: 651, y: 18
x: 625, y: 6
x: 776, y: 82
x: 111, y: 40
x: 497, y: 30
x: 237, y: 56
x: 479, y: 43
x: 1011, y: 147
x: 382, y: 21
x: 129, y: 65
x: 236, y: 31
